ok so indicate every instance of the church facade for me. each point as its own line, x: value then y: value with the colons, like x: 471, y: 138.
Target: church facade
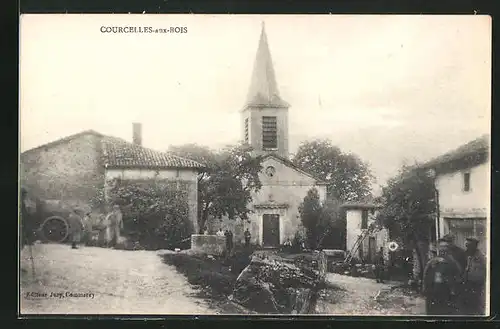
x: 275, y: 207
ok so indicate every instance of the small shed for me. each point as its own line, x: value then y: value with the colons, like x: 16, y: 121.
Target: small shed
x: 364, y: 236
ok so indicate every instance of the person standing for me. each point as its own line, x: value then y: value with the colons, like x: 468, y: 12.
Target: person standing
x: 76, y: 228
x: 231, y: 245
x: 103, y: 227
x: 115, y: 222
x: 247, y: 236
x: 379, y: 265
x: 455, y: 251
x: 441, y: 282
x: 474, y: 279
x: 228, y: 243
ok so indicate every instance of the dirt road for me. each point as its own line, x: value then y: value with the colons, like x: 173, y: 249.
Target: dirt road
x: 360, y: 296
x: 94, y: 280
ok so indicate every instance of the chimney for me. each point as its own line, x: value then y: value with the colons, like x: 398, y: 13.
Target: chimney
x: 137, y: 134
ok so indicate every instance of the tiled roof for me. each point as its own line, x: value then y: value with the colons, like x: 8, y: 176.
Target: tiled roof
x: 479, y: 146
x: 119, y: 153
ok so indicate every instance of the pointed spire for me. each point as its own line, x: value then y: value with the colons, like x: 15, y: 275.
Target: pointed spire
x: 263, y: 90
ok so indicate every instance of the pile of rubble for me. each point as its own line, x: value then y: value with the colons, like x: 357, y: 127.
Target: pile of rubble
x: 273, y: 284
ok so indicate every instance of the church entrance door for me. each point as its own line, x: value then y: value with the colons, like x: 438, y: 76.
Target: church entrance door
x: 271, y: 230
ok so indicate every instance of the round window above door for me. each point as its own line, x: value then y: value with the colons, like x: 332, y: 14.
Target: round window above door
x: 270, y: 171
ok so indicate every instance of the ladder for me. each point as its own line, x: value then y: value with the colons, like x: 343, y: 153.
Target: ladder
x: 371, y: 229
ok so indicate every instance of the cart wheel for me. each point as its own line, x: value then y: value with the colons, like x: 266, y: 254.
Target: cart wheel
x: 55, y: 229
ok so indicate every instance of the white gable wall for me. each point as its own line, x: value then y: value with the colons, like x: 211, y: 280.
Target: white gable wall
x: 287, y: 186
x: 455, y: 203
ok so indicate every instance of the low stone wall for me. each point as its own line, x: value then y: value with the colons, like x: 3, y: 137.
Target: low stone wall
x: 208, y: 244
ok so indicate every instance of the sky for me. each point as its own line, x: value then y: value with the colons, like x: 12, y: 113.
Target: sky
x: 390, y: 88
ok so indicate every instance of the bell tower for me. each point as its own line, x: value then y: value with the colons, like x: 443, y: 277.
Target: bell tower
x: 265, y: 113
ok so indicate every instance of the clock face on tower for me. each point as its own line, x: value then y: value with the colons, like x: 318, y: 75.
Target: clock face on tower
x: 270, y: 171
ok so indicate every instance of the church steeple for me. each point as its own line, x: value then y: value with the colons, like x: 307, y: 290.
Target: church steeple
x: 263, y: 91
x: 265, y: 114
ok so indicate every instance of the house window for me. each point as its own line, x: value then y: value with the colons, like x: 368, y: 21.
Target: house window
x: 466, y: 182
x: 364, y: 219
x: 269, y: 133
x: 246, y: 131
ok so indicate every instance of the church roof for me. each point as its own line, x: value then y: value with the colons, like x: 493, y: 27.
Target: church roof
x: 290, y: 164
x: 263, y: 91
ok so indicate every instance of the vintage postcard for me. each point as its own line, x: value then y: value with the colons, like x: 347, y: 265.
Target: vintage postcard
x: 254, y: 164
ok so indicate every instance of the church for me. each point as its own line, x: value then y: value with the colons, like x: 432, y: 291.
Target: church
x: 264, y: 123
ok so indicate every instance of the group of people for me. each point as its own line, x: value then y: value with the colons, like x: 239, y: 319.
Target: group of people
x: 78, y: 225
x: 111, y: 224
x: 229, y: 237
x: 454, y: 279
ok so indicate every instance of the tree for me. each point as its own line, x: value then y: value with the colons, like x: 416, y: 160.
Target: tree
x: 347, y: 176
x: 320, y: 220
x: 310, y: 215
x: 332, y: 225
x: 409, y: 207
x: 225, y: 187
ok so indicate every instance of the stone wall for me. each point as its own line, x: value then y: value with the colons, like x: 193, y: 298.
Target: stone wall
x: 70, y: 171
x: 208, y: 244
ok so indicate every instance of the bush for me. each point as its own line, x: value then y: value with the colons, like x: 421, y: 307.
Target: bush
x: 155, y: 214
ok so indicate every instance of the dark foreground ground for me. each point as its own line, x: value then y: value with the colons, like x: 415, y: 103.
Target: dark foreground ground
x: 162, y: 283
x: 342, y: 295
x: 347, y: 295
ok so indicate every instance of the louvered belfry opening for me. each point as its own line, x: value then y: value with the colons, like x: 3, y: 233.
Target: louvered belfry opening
x: 269, y: 132
x: 247, y: 139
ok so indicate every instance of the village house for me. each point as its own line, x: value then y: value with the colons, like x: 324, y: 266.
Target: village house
x: 363, y: 236
x: 76, y: 169
x: 462, y: 181
x: 264, y: 123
